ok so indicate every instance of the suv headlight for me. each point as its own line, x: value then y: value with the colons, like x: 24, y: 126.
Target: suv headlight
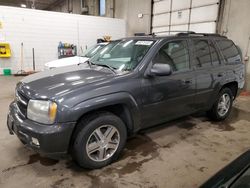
x: 42, y: 111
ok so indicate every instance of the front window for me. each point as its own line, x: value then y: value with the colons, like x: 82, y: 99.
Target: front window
x: 123, y: 55
x: 174, y: 53
x: 90, y: 52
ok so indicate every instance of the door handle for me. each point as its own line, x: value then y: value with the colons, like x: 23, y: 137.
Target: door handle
x: 188, y: 81
x: 220, y: 74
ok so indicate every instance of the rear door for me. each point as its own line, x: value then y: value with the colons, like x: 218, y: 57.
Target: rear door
x: 203, y: 72
x: 219, y: 70
x: 169, y: 97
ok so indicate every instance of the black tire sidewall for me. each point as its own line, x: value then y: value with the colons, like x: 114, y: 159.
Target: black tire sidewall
x: 79, y: 147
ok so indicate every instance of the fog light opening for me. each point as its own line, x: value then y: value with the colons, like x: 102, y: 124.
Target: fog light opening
x: 35, y: 141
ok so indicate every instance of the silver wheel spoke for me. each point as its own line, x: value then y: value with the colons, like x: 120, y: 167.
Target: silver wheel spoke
x: 98, y: 134
x: 109, y: 133
x: 102, y: 153
x: 227, y: 103
x: 220, y: 106
x: 223, y: 98
x: 111, y: 145
x: 93, y: 147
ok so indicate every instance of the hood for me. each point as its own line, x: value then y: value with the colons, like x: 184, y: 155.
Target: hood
x: 57, y: 82
x: 66, y: 62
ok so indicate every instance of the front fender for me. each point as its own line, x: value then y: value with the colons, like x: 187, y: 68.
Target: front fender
x: 77, y: 111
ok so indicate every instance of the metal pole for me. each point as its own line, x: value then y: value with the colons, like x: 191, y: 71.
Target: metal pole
x: 21, y: 57
x: 170, y: 16
x: 190, y: 11
x: 33, y: 53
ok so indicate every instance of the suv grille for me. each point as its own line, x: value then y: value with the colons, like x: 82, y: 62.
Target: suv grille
x: 22, y: 103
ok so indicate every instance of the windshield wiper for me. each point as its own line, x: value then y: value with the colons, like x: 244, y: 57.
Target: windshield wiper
x: 105, y: 65
x: 101, y: 65
x: 88, y: 62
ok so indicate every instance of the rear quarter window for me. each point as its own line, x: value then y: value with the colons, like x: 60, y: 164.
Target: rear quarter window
x: 229, y: 51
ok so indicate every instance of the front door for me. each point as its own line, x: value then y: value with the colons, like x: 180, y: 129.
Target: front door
x: 169, y: 97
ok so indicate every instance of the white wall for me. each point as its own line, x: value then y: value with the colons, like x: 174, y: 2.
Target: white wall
x: 129, y: 10
x: 43, y: 31
x: 236, y: 26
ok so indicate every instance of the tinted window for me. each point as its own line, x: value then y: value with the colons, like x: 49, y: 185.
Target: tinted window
x: 202, y: 53
x: 90, y: 52
x: 229, y: 51
x: 123, y: 55
x: 174, y: 53
x: 214, y: 55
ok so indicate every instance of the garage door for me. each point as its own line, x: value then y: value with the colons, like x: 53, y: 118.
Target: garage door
x: 184, y: 15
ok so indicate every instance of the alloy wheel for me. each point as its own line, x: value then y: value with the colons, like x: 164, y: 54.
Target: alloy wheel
x: 103, y: 143
x: 224, y: 104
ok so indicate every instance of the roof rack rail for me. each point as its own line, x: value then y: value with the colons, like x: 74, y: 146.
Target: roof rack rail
x: 184, y: 32
x: 192, y: 33
x: 181, y: 33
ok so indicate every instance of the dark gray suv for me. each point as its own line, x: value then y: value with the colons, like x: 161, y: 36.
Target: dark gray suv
x: 89, y: 110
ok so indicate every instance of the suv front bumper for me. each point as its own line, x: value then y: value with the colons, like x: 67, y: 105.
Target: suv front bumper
x: 49, y: 140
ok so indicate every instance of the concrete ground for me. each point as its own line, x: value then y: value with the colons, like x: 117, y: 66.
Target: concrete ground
x: 182, y: 153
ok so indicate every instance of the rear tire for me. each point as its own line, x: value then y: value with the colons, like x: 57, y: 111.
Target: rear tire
x: 99, y: 140
x: 222, y: 106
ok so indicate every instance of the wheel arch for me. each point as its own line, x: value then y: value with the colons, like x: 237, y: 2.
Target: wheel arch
x: 121, y: 110
x: 233, y: 86
x: 121, y: 105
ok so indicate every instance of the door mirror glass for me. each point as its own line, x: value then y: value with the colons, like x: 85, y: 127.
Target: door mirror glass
x: 160, y: 69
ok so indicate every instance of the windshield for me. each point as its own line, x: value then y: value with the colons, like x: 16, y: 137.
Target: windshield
x: 91, y: 51
x: 122, y: 55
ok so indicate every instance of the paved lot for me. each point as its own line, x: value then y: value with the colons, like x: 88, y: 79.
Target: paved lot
x: 182, y: 153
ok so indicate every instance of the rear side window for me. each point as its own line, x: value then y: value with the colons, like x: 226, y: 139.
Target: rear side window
x: 229, y: 51
x: 202, y: 53
x: 214, y: 55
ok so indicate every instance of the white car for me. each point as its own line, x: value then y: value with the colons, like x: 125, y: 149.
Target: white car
x: 75, y: 59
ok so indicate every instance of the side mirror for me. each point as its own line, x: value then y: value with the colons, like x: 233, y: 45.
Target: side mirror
x: 160, y: 70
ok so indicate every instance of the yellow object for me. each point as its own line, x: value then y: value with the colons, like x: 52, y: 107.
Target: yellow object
x: 107, y: 38
x: 1, y: 25
x: 5, y: 50
x: 52, y: 111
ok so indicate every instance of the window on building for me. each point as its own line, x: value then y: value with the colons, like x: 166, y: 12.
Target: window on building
x: 102, y: 7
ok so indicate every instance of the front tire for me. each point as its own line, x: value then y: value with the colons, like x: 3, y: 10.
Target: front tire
x: 222, y: 106
x: 99, y: 140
